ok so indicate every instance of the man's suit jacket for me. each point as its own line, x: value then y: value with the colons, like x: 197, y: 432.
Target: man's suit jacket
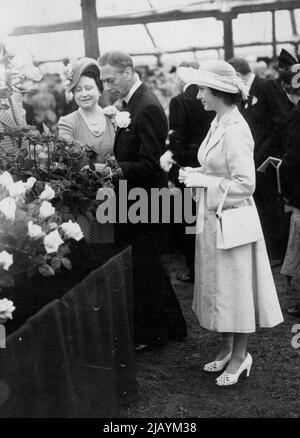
x: 266, y: 118
x: 189, y: 124
x: 290, y: 167
x: 139, y: 147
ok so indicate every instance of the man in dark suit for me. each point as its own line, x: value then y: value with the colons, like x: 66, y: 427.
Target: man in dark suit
x: 267, y: 120
x: 157, y: 314
x: 189, y: 124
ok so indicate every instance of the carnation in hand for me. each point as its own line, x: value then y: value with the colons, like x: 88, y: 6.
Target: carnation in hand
x: 6, y: 260
x: 6, y: 309
x: 52, y: 242
x: 72, y: 230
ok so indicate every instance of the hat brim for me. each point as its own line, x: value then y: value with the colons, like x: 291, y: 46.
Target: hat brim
x: 204, y: 78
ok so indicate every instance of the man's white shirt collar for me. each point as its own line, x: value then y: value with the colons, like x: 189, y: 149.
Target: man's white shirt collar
x: 132, y: 90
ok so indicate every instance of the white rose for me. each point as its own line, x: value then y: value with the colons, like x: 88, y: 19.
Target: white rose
x: 6, y: 309
x: 6, y: 260
x: 30, y: 183
x: 123, y: 119
x: 72, y: 230
x: 34, y: 231
x: 52, y: 241
x: 110, y: 111
x: 8, y: 208
x: 6, y: 180
x: 46, y: 209
x: 17, y: 190
x: 47, y: 194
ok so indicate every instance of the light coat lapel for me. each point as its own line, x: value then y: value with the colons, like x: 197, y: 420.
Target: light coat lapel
x: 216, y: 133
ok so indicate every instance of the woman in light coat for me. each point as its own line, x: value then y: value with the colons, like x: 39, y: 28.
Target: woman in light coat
x: 234, y: 288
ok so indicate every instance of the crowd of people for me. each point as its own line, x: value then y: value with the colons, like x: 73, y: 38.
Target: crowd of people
x: 223, y: 121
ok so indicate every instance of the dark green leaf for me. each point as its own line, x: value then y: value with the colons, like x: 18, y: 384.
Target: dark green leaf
x: 6, y: 280
x: 46, y: 271
x: 66, y: 263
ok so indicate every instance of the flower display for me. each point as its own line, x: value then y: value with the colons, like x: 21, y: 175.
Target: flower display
x: 6, y: 260
x: 17, y: 190
x: 52, y: 241
x: 33, y: 237
x: 8, y: 208
x: 46, y: 209
x: 34, y: 231
x: 6, y: 309
x: 47, y: 194
x: 72, y: 230
x: 6, y: 180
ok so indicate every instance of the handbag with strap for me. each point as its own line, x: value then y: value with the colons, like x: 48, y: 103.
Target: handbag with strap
x: 237, y: 226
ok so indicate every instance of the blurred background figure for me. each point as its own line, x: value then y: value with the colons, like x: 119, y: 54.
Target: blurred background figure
x: 267, y: 121
x: 189, y: 124
x: 290, y: 177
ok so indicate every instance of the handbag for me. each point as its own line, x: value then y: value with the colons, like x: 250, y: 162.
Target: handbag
x: 237, y: 226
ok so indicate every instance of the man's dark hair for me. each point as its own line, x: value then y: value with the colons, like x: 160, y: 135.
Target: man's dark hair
x: 240, y: 65
x: 120, y: 60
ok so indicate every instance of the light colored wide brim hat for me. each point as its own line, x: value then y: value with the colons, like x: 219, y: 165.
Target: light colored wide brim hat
x: 80, y: 67
x: 219, y: 75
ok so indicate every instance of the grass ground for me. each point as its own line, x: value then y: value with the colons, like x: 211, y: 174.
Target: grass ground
x: 173, y: 385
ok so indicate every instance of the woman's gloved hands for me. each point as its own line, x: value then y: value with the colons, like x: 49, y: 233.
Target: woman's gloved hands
x: 191, y: 177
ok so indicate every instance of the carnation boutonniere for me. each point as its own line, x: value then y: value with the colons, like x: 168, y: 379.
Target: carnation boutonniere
x: 254, y: 100
x: 120, y: 119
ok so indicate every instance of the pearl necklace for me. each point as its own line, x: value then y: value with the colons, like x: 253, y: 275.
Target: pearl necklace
x: 96, y: 127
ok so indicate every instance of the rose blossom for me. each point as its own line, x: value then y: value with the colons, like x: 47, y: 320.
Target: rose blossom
x: 123, y: 119
x: 72, y: 230
x: 47, y: 194
x: 46, y: 209
x: 6, y: 180
x: 30, y: 183
x: 52, y: 241
x: 6, y: 260
x: 8, y: 208
x: 34, y: 231
x: 17, y: 190
x: 6, y: 309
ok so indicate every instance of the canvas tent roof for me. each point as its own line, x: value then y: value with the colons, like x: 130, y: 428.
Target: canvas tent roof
x: 144, y: 38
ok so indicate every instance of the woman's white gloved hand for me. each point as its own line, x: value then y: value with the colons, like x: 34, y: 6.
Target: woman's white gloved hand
x: 192, y: 179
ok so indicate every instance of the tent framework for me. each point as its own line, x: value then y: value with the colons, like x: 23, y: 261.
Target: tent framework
x: 225, y: 11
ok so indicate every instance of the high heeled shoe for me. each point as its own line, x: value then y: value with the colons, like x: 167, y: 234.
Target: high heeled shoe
x: 226, y: 379
x: 217, y: 365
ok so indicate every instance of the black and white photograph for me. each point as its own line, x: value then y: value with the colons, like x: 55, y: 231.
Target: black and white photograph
x: 149, y: 212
